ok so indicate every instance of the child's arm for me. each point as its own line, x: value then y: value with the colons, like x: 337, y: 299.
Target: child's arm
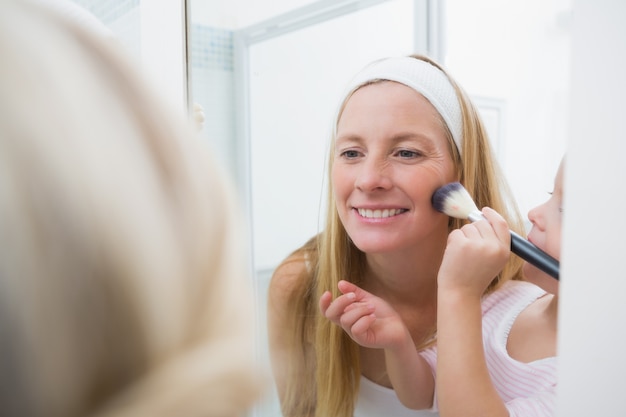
x: 474, y: 256
x: 372, y: 323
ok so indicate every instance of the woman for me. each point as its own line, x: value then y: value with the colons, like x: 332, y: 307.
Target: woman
x: 122, y: 291
x: 404, y: 129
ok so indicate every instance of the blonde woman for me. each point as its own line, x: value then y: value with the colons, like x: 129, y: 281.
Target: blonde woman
x: 404, y: 129
x: 495, y: 354
x: 122, y: 286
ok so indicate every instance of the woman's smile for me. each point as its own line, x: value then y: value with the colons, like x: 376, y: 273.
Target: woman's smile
x: 379, y: 213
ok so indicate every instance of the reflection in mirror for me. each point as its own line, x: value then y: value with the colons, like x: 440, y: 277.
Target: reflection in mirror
x: 268, y: 97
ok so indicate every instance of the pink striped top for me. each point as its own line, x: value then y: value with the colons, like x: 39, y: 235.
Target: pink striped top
x: 528, y: 389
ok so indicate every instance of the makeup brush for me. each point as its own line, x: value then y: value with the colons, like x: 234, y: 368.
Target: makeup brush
x: 454, y: 200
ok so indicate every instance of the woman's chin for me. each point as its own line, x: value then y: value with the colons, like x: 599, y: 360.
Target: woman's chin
x: 371, y: 245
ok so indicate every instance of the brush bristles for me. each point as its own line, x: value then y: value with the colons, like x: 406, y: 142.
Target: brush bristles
x: 454, y: 200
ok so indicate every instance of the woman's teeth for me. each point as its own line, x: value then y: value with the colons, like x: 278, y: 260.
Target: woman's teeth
x: 379, y: 214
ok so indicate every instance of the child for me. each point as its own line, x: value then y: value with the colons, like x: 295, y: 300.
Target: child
x: 494, y: 354
x: 546, y: 232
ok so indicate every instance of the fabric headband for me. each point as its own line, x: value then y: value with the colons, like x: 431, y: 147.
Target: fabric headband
x: 424, y: 78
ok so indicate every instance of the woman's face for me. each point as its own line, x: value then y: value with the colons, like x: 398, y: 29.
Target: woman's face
x: 390, y: 155
x: 546, y: 232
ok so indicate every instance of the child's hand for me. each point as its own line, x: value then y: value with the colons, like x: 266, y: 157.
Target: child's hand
x: 475, y: 254
x: 367, y: 319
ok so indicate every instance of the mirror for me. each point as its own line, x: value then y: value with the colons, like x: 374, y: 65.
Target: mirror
x: 269, y: 76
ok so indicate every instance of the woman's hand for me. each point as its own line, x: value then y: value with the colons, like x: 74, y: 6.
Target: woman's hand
x: 367, y: 319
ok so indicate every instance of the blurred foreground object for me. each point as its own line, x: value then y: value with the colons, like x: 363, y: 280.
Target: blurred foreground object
x: 122, y: 286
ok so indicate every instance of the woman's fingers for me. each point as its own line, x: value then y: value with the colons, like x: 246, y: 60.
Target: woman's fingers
x: 352, y: 315
x: 333, y: 309
x: 325, y: 301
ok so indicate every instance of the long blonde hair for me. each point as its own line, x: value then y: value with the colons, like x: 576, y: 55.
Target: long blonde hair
x: 122, y: 286
x: 332, y: 256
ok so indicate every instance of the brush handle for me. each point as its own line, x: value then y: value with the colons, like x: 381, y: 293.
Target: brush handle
x: 532, y: 254
x: 527, y: 251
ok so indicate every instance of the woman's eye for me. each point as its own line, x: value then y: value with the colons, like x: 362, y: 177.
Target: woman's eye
x: 350, y: 154
x: 405, y: 153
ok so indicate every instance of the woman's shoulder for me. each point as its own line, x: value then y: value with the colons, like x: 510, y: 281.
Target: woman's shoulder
x: 287, y: 276
x: 290, y: 276
x: 290, y: 273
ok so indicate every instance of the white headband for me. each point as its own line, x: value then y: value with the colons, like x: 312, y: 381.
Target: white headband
x: 424, y: 78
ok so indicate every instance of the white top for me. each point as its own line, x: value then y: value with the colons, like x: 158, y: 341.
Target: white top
x: 377, y: 401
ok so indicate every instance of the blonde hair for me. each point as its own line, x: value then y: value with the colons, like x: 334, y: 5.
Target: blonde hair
x: 333, y: 256
x: 122, y: 286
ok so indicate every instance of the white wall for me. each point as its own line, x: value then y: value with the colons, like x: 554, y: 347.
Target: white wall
x: 592, y: 327
x: 517, y: 53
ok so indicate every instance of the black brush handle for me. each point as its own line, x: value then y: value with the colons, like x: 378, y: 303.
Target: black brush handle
x: 532, y: 254
x: 527, y: 250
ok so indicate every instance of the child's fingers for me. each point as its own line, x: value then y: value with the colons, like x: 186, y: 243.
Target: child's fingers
x: 472, y: 230
x: 499, y: 225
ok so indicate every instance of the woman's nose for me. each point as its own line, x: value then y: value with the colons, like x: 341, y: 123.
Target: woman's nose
x: 374, y: 175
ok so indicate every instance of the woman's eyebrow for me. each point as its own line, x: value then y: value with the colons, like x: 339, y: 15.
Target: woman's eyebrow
x: 349, y: 138
x: 399, y: 137
x: 411, y: 136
